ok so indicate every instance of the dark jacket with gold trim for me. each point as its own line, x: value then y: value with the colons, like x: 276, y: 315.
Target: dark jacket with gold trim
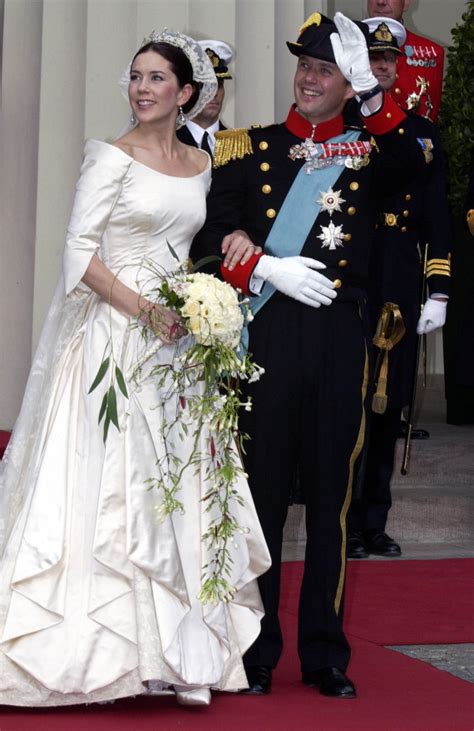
x: 416, y: 214
x: 247, y: 193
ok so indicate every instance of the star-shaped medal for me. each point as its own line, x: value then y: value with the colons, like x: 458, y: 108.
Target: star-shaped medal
x: 330, y: 200
x: 331, y: 236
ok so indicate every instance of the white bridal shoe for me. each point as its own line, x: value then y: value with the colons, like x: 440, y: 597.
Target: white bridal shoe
x: 196, y: 697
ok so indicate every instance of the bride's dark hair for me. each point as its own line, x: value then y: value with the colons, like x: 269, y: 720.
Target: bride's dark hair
x: 180, y: 65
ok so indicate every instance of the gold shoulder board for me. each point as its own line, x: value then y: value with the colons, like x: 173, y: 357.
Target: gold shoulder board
x: 231, y: 144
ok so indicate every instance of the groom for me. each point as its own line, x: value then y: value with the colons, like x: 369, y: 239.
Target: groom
x: 304, y: 191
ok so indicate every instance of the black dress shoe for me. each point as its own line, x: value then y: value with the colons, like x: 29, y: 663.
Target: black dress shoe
x: 415, y: 433
x: 259, y: 678
x: 356, y: 545
x: 380, y: 544
x: 330, y: 681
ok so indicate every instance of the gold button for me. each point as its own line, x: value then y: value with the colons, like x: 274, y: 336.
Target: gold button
x: 354, y: 186
x: 397, y: 76
x: 389, y: 115
x: 342, y: 263
x: 397, y: 91
x: 347, y: 237
x: 264, y: 167
x: 401, y: 131
x: 263, y: 145
x: 403, y: 229
x: 271, y: 213
x: 406, y: 213
x: 408, y: 197
x: 351, y: 210
x: 337, y: 283
x: 266, y: 188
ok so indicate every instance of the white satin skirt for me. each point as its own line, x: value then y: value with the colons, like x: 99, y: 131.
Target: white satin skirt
x: 97, y: 596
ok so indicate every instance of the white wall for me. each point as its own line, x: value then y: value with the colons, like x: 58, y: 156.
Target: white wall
x: 19, y: 120
x: 76, y: 50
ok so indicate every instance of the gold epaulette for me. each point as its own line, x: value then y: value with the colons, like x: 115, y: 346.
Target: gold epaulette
x: 231, y: 144
x: 439, y: 266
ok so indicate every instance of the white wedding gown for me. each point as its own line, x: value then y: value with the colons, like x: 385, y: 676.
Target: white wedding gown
x: 97, y: 596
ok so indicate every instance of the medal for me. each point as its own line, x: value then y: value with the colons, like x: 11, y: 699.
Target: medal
x: 319, y: 155
x: 330, y: 201
x: 331, y: 236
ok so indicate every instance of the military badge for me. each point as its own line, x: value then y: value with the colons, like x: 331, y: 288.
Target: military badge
x: 426, y: 146
x: 330, y: 201
x: 414, y: 99
x: 383, y: 33
x: 321, y: 155
x: 331, y: 236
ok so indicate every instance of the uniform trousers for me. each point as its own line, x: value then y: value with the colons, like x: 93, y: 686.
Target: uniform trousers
x: 371, y: 511
x: 307, y: 415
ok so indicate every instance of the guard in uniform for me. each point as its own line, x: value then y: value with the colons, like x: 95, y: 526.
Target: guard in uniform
x: 306, y: 192
x: 201, y: 130
x: 419, y: 78
x: 414, y: 215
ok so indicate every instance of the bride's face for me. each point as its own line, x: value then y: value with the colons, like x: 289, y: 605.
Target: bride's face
x: 153, y: 91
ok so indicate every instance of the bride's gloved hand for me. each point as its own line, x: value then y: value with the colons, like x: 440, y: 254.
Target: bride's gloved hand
x: 295, y: 277
x: 164, y: 323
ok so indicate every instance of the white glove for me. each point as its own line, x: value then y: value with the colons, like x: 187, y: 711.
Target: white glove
x: 295, y: 277
x: 352, y: 55
x: 432, y: 317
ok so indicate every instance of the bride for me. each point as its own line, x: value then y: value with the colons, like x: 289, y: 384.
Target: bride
x: 99, y: 599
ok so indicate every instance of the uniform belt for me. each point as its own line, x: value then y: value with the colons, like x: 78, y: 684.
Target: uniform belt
x: 393, y: 220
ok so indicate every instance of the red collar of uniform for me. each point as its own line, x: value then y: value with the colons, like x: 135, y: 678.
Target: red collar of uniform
x: 300, y: 126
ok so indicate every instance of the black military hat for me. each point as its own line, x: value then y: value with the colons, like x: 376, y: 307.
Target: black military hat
x: 220, y: 55
x: 314, y: 37
x: 386, y: 34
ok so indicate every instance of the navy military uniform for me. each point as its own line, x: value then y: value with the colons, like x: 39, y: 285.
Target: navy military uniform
x: 308, y: 407
x: 415, y: 215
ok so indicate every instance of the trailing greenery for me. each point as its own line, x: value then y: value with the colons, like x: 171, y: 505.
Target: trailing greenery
x: 457, y: 107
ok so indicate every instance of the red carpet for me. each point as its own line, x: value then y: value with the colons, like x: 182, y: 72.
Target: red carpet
x: 400, y: 602
x: 403, y: 602
x: 4, y: 437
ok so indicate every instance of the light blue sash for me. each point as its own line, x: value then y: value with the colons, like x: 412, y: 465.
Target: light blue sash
x: 298, y: 213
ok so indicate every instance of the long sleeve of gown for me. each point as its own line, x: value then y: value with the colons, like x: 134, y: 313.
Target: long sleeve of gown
x: 98, y: 188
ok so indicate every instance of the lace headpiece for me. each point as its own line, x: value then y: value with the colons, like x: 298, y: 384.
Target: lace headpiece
x: 203, y: 71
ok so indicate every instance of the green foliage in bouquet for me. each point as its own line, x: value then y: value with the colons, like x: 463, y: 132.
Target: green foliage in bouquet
x: 197, y: 393
x: 457, y: 107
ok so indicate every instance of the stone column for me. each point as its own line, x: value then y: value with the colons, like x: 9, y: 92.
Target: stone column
x: 19, y: 116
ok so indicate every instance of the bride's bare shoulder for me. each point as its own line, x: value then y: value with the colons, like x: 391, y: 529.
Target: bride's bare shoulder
x: 199, y: 159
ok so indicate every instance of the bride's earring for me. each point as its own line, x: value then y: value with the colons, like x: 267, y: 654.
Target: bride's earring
x: 133, y: 119
x: 181, y: 118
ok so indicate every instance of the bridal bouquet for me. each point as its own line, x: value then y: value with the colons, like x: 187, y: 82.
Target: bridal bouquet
x: 202, y: 379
